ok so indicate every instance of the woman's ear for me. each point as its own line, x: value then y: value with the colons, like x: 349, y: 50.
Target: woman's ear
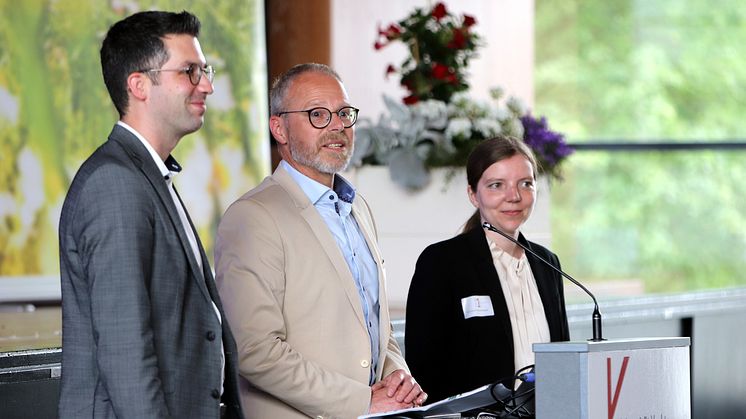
x: 472, y: 196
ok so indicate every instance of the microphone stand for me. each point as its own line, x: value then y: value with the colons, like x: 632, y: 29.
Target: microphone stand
x: 596, y: 313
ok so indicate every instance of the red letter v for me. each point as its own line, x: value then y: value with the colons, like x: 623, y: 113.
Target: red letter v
x: 613, y: 401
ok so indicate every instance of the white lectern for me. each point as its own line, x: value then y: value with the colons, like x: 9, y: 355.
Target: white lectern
x: 632, y: 378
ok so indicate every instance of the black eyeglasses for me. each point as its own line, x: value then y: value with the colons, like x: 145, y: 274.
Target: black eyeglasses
x: 321, y: 117
x: 194, y: 72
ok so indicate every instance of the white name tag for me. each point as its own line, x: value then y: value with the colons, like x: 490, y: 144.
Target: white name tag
x: 477, y: 306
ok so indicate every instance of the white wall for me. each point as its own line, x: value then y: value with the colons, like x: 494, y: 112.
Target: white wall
x: 506, y: 60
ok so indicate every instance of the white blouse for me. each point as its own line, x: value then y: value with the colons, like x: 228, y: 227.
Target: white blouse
x: 527, y: 317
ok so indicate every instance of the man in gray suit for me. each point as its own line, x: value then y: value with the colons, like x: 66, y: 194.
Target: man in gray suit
x: 144, y: 333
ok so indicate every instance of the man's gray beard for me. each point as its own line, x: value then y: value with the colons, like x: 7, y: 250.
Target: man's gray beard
x: 302, y: 157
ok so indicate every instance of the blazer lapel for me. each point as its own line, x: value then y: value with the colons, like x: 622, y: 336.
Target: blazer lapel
x: 325, y: 238
x: 205, y: 273
x: 364, y: 219
x: 487, y: 274
x: 141, y: 157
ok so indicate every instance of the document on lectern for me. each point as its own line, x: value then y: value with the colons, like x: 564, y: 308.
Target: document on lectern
x: 446, y: 408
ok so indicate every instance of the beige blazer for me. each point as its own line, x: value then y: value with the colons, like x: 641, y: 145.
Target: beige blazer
x: 291, y: 301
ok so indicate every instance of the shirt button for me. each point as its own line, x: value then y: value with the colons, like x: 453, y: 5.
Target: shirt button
x: 365, y: 363
x: 215, y: 394
x: 210, y: 336
x: 331, y: 197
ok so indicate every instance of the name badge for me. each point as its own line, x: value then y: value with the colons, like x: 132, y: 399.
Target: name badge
x: 477, y: 306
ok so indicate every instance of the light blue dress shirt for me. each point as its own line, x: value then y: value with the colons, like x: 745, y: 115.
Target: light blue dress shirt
x: 335, y: 207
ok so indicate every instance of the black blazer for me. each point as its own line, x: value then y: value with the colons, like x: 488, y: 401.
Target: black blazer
x: 448, y: 354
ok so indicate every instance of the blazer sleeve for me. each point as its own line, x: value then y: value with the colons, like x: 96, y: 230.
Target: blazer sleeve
x: 394, y: 359
x: 113, y: 231
x: 250, y: 263
x: 431, y: 352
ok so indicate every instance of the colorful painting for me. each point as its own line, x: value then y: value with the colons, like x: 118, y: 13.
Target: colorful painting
x: 55, y: 110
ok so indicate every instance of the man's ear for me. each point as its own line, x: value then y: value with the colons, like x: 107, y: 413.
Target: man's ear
x: 138, y: 84
x: 278, y: 129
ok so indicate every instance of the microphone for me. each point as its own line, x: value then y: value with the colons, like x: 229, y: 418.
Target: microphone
x: 596, y: 313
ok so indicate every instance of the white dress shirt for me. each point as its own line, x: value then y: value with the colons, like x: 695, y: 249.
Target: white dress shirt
x: 527, y: 318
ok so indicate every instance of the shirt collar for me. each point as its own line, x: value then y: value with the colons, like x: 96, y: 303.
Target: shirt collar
x: 315, y: 190
x: 344, y: 189
x: 169, y: 168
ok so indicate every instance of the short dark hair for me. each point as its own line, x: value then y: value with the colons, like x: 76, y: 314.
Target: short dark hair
x: 135, y: 43
x: 487, y: 153
x: 279, y: 90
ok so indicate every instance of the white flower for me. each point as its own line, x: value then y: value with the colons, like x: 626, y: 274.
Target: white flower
x: 460, y: 99
x: 435, y: 113
x: 431, y: 108
x: 497, y: 92
x: 499, y: 114
x: 516, y: 105
x: 432, y: 26
x: 458, y: 127
x: 488, y: 127
x: 513, y: 127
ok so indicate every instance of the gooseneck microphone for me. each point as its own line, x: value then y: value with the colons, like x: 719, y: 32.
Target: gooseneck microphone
x: 596, y: 313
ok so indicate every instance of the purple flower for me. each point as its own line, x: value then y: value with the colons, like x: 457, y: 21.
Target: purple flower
x: 549, y: 147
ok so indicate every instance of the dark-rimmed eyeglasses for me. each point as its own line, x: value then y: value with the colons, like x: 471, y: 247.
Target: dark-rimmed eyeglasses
x: 194, y: 71
x: 321, y: 117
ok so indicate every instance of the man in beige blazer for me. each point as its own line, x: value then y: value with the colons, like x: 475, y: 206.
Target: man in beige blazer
x: 300, y: 273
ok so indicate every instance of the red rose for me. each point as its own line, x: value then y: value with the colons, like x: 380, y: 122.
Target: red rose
x: 411, y: 100
x: 440, y: 71
x: 390, y: 69
x: 439, y: 11
x: 378, y: 45
x: 469, y: 21
x: 458, y: 41
x: 392, y: 32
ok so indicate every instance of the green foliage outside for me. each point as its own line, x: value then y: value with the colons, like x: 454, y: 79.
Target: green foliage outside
x: 55, y: 110
x: 635, y: 71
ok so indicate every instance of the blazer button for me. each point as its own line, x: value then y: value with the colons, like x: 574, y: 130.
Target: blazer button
x: 215, y: 393
x: 210, y: 336
x: 365, y: 363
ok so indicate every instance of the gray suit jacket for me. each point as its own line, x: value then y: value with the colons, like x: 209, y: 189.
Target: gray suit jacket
x: 140, y: 337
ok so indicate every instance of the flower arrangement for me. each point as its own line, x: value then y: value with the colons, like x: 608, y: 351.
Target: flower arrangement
x: 438, y: 124
x: 440, y: 47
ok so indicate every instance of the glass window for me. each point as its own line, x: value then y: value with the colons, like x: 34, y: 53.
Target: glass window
x: 609, y: 74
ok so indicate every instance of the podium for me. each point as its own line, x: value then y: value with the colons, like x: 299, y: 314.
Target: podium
x: 626, y: 378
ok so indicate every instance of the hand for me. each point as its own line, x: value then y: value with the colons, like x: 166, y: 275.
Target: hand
x: 380, y: 402
x: 403, y: 388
